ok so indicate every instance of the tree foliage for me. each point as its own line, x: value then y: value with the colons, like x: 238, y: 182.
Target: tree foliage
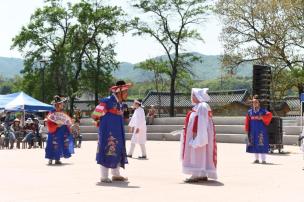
x: 74, y: 38
x: 265, y: 32
x: 170, y: 23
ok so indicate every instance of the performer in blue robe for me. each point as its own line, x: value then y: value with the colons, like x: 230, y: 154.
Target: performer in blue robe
x: 256, y: 121
x: 60, y: 140
x: 111, y: 151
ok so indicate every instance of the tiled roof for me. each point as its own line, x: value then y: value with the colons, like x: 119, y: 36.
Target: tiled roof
x: 293, y: 103
x: 183, y: 99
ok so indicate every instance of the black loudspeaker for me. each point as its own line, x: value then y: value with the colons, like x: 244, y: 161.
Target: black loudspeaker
x: 275, y: 134
x: 261, y: 81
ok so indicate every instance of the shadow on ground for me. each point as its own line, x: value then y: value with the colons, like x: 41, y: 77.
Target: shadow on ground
x: 117, y: 184
x: 211, y: 183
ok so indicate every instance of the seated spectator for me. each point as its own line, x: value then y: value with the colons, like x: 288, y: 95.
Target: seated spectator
x: 43, y: 131
x: 18, y: 131
x: 29, y: 129
x: 151, y: 115
x: 9, y: 136
x: 75, y: 129
x: 37, y: 136
x: 77, y: 115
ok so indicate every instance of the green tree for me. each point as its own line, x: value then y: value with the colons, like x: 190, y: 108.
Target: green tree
x: 265, y: 32
x: 71, y: 36
x: 45, y: 36
x: 159, y: 69
x: 170, y: 24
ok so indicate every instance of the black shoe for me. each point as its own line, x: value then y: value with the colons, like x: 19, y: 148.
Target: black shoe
x: 58, y: 162
x: 130, y: 156
x: 142, y: 157
x: 256, y: 161
x: 50, y: 162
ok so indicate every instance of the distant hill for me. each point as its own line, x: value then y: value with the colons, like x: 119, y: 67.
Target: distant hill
x: 210, y: 68
x: 9, y: 67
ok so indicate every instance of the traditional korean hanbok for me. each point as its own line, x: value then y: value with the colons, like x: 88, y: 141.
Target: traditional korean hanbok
x: 111, y: 151
x: 138, y: 121
x: 199, y: 151
x: 258, y: 141
x: 60, y: 140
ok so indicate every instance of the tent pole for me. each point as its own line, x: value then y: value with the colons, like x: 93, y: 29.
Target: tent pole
x: 23, y: 117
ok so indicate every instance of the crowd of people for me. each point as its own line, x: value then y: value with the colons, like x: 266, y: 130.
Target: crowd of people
x: 14, y: 135
x: 33, y: 133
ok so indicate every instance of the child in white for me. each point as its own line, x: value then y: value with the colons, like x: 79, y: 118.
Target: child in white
x: 138, y: 127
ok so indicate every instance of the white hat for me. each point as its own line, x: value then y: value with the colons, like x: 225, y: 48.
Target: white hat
x: 29, y: 120
x: 137, y: 101
x: 201, y: 94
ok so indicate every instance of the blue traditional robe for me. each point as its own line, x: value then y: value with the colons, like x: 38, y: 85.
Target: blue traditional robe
x: 60, y: 140
x: 111, y: 150
x: 258, y: 140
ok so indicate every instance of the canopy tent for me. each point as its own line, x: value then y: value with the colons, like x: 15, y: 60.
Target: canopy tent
x: 23, y: 102
x: 4, y: 99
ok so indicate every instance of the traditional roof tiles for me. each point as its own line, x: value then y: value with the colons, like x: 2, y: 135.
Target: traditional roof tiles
x: 183, y: 99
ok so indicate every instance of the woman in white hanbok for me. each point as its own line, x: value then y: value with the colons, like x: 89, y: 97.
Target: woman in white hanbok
x: 199, y: 152
x: 138, y: 126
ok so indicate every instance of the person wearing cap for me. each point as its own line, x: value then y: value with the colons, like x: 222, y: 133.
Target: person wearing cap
x: 43, y: 130
x: 29, y: 129
x: 138, y: 127
x: 18, y: 131
x: 256, y: 121
x: 59, y: 141
x: 111, y: 150
x: 199, y: 151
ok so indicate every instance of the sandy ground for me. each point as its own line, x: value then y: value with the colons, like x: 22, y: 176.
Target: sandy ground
x: 25, y: 176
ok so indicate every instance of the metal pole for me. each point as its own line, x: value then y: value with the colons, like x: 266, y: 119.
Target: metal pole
x: 42, y: 67
x: 43, y: 93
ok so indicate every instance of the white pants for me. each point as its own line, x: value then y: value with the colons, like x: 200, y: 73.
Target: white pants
x: 263, y: 156
x: 105, y: 172
x: 142, y: 147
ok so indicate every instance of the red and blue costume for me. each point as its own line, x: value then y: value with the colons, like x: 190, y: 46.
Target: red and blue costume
x: 255, y: 125
x: 60, y: 140
x: 111, y: 151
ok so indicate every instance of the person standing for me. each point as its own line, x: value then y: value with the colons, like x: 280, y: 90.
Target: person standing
x: 138, y: 127
x: 199, y: 151
x: 60, y: 141
x: 111, y: 150
x: 255, y: 125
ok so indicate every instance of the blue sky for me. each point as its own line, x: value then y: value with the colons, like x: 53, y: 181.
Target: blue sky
x: 15, y: 13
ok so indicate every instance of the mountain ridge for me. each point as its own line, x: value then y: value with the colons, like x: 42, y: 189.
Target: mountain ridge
x: 210, y: 68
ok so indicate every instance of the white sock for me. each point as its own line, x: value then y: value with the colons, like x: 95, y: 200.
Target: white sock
x: 104, y: 172
x: 256, y: 155
x: 132, y: 149
x: 143, y: 150
x: 115, y: 171
x: 263, y: 157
